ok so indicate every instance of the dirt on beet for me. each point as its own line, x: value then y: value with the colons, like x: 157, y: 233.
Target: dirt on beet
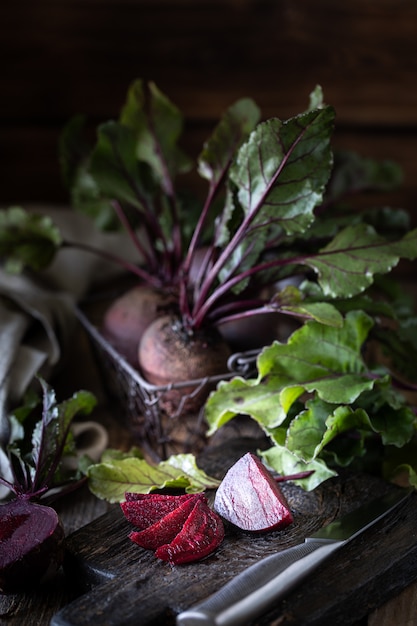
x: 168, y: 354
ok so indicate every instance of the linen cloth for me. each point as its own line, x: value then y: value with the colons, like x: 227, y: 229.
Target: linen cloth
x: 37, y: 312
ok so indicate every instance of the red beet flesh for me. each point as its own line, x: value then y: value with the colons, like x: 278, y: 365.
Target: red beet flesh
x: 202, y: 533
x: 31, y: 544
x: 166, y: 528
x: 250, y: 498
x: 143, y: 510
x: 180, y: 529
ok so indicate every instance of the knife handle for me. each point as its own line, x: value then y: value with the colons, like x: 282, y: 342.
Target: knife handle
x: 253, y: 591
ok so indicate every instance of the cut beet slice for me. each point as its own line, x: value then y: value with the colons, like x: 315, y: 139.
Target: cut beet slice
x: 31, y: 544
x: 250, y: 498
x: 131, y: 496
x: 143, y: 510
x: 201, y: 534
x: 167, y: 528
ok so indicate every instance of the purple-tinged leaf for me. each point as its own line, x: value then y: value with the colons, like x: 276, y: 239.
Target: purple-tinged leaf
x: 346, y: 266
x: 220, y: 149
x: 280, y: 174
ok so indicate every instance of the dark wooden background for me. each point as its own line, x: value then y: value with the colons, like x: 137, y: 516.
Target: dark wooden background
x: 63, y: 57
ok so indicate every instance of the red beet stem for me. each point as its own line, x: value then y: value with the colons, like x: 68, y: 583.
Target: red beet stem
x: 299, y: 476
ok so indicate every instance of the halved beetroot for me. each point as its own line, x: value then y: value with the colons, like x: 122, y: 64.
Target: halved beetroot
x: 143, y: 510
x: 201, y: 534
x: 31, y: 544
x: 250, y: 498
x: 165, y: 529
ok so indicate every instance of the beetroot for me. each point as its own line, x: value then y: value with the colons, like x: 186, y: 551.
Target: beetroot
x: 168, y: 353
x: 167, y: 527
x: 128, y: 316
x: 250, y: 498
x: 27, y: 557
x: 143, y: 510
x: 201, y: 534
x: 184, y: 528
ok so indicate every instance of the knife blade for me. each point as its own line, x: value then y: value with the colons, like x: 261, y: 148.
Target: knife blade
x: 253, y: 591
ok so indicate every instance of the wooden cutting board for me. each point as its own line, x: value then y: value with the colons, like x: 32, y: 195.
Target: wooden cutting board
x: 121, y: 584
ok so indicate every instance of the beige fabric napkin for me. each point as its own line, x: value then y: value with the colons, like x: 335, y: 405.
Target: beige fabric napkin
x: 37, y: 317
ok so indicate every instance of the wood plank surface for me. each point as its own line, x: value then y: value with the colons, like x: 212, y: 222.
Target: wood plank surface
x: 127, y: 585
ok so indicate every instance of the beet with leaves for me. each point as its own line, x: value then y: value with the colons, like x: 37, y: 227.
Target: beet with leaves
x: 276, y: 232
x: 31, y: 532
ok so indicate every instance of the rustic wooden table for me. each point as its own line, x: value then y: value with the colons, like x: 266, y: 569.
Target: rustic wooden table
x: 80, y: 508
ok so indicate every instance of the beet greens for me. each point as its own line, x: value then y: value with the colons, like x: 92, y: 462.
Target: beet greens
x: 37, y: 452
x: 278, y: 230
x: 274, y: 208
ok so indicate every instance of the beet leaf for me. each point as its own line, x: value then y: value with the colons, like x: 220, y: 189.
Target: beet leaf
x: 118, y: 473
x: 311, y: 391
x: 277, y: 208
x: 40, y: 445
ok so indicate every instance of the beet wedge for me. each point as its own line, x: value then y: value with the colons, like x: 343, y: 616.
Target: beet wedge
x: 31, y: 544
x: 250, y: 498
x: 201, y: 534
x: 143, y: 510
x: 167, y: 528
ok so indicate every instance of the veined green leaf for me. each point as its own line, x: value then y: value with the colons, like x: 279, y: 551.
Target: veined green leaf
x: 346, y: 266
x: 186, y: 463
x: 280, y: 173
x: 114, y: 166
x: 283, y: 168
x: 396, y: 426
x: 111, y: 480
x: 285, y: 462
x: 157, y: 124
x: 317, y: 352
x: 291, y: 299
x: 322, y: 312
x: 219, y: 150
x: 322, y: 359
x: 319, y: 424
x: 262, y: 400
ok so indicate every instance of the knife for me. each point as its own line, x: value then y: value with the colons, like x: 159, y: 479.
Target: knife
x: 253, y: 591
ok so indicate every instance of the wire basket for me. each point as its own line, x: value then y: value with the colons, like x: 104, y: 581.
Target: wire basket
x: 157, y: 430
